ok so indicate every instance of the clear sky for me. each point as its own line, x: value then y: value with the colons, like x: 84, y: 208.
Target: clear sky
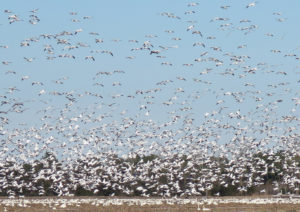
x: 237, y: 36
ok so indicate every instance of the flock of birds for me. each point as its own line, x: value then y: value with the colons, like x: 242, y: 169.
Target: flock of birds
x: 205, y: 204
x: 219, y: 103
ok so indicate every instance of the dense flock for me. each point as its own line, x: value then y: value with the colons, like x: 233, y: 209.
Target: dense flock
x: 180, y: 204
x: 205, y: 106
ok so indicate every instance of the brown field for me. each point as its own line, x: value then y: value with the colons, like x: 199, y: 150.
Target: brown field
x: 68, y: 205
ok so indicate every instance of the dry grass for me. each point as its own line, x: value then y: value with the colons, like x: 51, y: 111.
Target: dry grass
x: 162, y: 208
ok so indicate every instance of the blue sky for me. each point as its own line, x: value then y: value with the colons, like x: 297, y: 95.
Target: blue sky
x: 137, y: 20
